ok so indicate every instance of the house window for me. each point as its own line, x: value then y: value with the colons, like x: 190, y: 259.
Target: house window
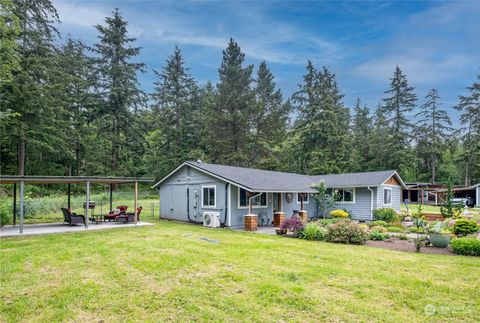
x: 305, y: 198
x: 344, y: 195
x: 257, y: 202
x: 387, y: 196
x: 208, y: 196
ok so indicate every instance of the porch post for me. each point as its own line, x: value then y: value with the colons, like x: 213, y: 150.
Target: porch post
x: 87, y: 203
x: 111, y: 197
x: 14, y: 204
x: 301, y: 201
x: 68, y: 196
x: 280, y: 206
x: 22, y: 191
x: 135, y: 201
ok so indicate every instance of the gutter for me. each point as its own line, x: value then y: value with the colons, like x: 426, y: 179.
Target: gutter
x: 371, y: 203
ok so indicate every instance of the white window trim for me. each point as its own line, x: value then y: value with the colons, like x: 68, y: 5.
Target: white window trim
x: 253, y: 206
x: 391, y: 196
x: 304, y: 202
x: 214, y: 206
x: 343, y: 189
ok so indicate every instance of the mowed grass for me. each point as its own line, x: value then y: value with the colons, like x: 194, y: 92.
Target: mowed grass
x: 181, y: 272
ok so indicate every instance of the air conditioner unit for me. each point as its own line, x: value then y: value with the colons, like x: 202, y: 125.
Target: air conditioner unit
x: 211, y: 219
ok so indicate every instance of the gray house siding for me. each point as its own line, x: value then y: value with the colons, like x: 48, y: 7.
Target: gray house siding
x: 173, y: 195
x: 361, y: 208
x: 396, y: 197
x: 477, y: 199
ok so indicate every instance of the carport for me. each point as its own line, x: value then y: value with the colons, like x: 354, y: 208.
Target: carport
x: 21, y: 181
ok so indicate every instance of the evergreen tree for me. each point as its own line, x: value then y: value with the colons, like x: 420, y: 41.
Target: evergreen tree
x: 322, y: 124
x: 268, y: 120
x: 33, y: 124
x: 469, y: 106
x: 119, y: 90
x: 9, y: 33
x: 433, y: 127
x: 379, y: 136
x: 176, y: 101
x: 362, y: 136
x: 230, y: 123
x: 396, y: 106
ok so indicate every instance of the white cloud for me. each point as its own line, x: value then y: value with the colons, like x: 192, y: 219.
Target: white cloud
x: 80, y: 14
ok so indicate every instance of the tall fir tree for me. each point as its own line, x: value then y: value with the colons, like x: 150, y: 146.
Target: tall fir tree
x: 362, y: 124
x: 400, y: 101
x: 432, y: 129
x: 234, y: 105
x: 323, y: 123
x: 119, y: 90
x: 469, y: 106
x: 269, y: 120
x: 28, y: 98
x: 176, y: 101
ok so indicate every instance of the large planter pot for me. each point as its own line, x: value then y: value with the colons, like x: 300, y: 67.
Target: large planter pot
x: 439, y: 240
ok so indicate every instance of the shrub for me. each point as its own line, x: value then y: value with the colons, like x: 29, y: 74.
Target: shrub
x: 403, y: 236
x: 339, y: 214
x: 293, y: 224
x: 416, y: 230
x: 385, y: 214
x: 326, y: 222
x: 312, y: 231
x: 378, y: 223
x: 463, y: 227
x: 395, y: 229
x: 378, y: 228
x: 376, y: 235
x: 466, y: 246
x: 346, y: 232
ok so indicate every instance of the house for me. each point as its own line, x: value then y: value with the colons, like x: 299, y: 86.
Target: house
x: 196, y: 187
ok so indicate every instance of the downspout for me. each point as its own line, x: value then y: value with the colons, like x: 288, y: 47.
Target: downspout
x: 371, y: 203
x: 223, y: 224
x: 250, y: 207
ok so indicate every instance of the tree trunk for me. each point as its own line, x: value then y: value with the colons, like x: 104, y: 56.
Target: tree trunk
x: 77, y: 157
x: 434, y: 162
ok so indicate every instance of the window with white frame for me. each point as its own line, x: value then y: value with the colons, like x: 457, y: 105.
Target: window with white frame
x: 258, y: 201
x: 387, y: 196
x: 344, y: 195
x: 208, y: 196
x: 305, y: 198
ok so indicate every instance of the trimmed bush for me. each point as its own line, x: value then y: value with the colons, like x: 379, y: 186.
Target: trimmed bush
x: 379, y: 228
x: 395, y: 229
x: 466, y: 246
x: 385, y: 214
x: 462, y: 227
x: 339, y: 214
x: 312, y: 231
x: 293, y: 224
x: 346, y: 232
x: 378, y: 223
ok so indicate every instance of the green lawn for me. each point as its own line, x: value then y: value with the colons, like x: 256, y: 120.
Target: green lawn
x: 432, y: 208
x: 168, y: 273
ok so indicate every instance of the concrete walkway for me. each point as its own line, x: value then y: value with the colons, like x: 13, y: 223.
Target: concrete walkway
x: 51, y: 228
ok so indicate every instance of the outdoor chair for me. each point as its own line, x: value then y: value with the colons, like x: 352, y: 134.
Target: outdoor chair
x: 112, y: 216
x: 72, y: 218
x: 129, y: 217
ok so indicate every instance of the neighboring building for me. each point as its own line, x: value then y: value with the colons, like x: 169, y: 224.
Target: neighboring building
x: 423, y: 193
x: 471, y: 194
x: 195, y: 187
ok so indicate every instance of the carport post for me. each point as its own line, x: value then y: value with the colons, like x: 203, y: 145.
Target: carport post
x: 14, y: 204
x: 68, y: 197
x: 135, y: 201
x: 22, y: 191
x: 87, y: 204
x: 111, y: 197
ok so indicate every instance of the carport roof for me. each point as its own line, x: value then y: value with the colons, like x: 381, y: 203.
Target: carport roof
x: 11, y: 179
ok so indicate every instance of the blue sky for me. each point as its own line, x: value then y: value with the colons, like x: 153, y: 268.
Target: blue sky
x: 435, y: 43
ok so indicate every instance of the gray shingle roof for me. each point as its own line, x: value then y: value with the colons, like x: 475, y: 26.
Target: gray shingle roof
x: 273, y: 181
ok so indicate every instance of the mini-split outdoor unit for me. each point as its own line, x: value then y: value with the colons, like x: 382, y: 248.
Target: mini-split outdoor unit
x: 211, y: 219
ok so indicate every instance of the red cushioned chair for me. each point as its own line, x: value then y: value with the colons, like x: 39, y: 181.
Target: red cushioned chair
x: 112, y: 216
x: 129, y: 217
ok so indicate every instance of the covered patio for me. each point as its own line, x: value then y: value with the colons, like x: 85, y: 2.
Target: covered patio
x: 21, y: 181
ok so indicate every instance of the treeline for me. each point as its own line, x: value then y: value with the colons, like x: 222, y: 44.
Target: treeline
x: 78, y: 108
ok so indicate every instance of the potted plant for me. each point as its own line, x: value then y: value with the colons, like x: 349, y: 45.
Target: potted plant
x: 439, y: 235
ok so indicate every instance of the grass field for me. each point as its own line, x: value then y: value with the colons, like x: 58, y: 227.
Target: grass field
x: 181, y: 272
x: 431, y: 208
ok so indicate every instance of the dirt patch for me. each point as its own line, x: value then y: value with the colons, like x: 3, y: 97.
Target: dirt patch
x: 408, y: 246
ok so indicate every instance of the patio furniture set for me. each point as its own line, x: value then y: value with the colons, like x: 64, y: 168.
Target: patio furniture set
x: 118, y: 215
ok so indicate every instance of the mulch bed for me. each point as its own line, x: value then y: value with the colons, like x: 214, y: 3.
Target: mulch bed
x: 408, y: 246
